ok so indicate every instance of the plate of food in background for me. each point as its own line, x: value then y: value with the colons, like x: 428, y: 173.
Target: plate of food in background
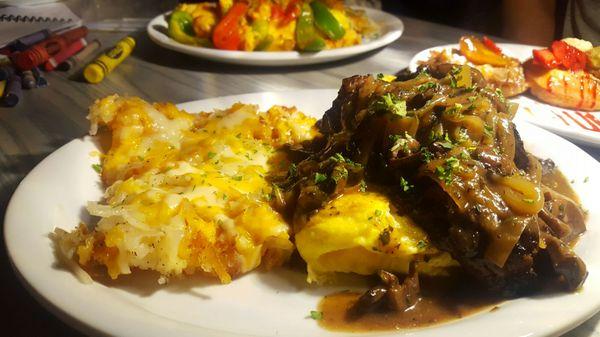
x: 274, y: 33
x: 557, y: 88
x: 407, y: 206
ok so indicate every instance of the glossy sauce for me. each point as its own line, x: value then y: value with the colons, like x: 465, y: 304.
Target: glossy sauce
x: 441, y: 301
x: 557, y: 181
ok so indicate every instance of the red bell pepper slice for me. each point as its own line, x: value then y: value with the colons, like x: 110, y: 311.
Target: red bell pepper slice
x: 491, y: 45
x: 287, y: 15
x: 227, y: 32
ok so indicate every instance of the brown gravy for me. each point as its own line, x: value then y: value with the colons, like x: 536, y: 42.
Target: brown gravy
x: 557, y: 181
x: 442, y: 301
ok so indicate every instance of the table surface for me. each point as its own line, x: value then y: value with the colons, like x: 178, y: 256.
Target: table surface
x: 50, y: 117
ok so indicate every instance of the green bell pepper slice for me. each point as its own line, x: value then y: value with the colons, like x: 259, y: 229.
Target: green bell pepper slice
x: 181, y: 28
x: 326, y: 22
x: 307, y: 38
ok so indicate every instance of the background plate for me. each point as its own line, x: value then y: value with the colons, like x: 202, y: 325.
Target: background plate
x: 391, y: 29
x: 580, y: 126
x: 258, y: 304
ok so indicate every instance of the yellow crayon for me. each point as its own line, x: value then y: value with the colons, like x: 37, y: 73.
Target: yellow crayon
x: 105, y: 63
x: 2, y: 87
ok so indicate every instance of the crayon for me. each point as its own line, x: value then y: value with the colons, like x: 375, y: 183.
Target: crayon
x: 84, y: 55
x: 39, y: 78
x: 71, y: 50
x: 2, y: 87
x: 103, y: 65
x: 28, y: 80
x: 12, y: 93
x: 6, y: 71
x: 42, y: 51
x: 29, y: 40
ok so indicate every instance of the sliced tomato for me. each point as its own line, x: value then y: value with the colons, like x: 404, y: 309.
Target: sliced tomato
x: 569, y: 56
x: 491, y: 45
x: 545, y: 58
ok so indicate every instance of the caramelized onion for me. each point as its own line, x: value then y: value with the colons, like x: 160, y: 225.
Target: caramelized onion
x: 521, y: 195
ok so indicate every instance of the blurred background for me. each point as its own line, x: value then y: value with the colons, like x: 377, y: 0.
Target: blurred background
x: 525, y: 21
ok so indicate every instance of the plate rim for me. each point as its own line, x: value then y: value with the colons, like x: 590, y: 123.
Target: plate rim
x: 87, y: 327
x: 280, y: 58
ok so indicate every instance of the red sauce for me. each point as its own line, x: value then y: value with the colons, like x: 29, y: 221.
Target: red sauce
x: 593, y: 93
x: 582, y: 82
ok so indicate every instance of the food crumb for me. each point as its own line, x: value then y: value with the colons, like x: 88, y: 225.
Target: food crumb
x: 316, y: 315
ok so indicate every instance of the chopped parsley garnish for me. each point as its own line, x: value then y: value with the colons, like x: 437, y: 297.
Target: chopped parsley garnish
x: 426, y: 86
x: 446, y: 172
x: 97, y: 168
x: 210, y: 155
x: 456, y: 108
x: 362, y: 186
x: 421, y: 244
x: 427, y: 156
x: 405, y: 185
x: 500, y: 95
x: 401, y: 142
x: 452, y: 163
x: 320, y: 177
x: 453, y: 83
x: 237, y: 178
x: 586, y: 179
x: 380, y: 76
x: 529, y: 201
x: 316, y: 315
x: 446, y: 143
x: 339, y: 158
x: 339, y: 173
x: 378, y: 212
x: 488, y: 130
x: 463, y: 135
x: 293, y: 170
x: 389, y: 103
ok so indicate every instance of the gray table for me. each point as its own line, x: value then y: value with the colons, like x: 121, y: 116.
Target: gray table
x: 50, y: 117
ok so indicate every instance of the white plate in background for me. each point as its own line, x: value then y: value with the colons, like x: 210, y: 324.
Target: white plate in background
x: 391, y: 29
x: 580, y: 126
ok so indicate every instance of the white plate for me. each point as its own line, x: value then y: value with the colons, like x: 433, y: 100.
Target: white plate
x: 391, y: 28
x: 579, y: 126
x: 258, y: 304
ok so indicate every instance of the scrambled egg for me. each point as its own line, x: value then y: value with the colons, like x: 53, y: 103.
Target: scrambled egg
x: 361, y: 233
x: 187, y: 192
